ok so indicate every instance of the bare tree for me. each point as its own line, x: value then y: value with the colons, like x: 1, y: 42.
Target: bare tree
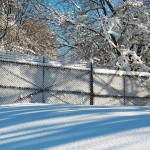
x: 25, y: 28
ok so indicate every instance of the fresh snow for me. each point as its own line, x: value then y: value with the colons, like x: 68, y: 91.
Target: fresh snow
x: 74, y: 127
x: 38, y: 60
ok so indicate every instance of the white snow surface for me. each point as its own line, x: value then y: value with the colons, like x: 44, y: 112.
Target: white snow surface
x: 74, y: 127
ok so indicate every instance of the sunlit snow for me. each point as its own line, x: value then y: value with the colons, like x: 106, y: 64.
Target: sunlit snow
x: 74, y: 127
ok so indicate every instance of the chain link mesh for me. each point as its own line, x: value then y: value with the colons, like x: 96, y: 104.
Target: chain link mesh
x: 109, y: 101
x: 22, y: 82
x: 135, y: 86
x: 66, y: 79
x: 19, y: 82
x: 27, y: 83
x: 66, y: 98
x: 137, y: 101
x: 20, y: 75
x: 107, y: 84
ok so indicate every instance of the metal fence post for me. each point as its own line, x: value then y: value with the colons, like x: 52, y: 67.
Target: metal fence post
x: 91, y: 83
x: 43, y: 80
x: 124, y: 88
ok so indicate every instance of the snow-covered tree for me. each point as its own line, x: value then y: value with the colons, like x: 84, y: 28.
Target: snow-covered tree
x: 24, y: 28
x: 115, y: 34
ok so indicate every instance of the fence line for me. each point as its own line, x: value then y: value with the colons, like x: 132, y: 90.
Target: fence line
x: 37, y: 79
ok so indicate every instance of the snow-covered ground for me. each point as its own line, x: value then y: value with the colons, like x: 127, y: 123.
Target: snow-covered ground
x: 74, y: 127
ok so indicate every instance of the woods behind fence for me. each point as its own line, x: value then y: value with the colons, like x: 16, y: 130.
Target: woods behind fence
x: 25, y: 79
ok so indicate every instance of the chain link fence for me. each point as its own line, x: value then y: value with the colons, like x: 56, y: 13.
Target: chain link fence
x: 121, y: 90
x: 28, y: 79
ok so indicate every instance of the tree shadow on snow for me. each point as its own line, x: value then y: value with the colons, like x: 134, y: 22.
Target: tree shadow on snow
x: 38, y: 127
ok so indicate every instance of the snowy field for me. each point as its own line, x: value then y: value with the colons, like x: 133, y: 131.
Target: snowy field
x: 74, y: 127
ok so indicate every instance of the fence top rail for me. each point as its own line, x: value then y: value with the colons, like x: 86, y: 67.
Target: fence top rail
x: 24, y: 57
x: 120, y: 72
x: 47, y: 62
x: 38, y: 60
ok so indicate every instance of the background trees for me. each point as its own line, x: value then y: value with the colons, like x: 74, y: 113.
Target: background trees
x: 24, y: 28
x: 114, y: 33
